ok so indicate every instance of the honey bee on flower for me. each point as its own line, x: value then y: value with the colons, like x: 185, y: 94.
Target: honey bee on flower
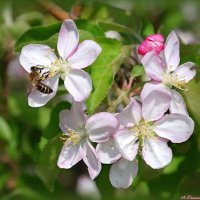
x: 73, y: 57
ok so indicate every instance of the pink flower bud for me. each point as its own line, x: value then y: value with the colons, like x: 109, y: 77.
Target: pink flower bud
x: 153, y: 42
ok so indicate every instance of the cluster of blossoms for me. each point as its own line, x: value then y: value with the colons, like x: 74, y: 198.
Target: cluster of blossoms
x: 142, y: 128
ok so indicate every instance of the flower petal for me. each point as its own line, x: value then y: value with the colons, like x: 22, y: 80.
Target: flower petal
x: 127, y: 143
x: 36, y: 54
x: 69, y: 156
x: 37, y: 98
x: 156, y: 152
x: 73, y: 118
x: 177, y: 103
x: 149, y: 87
x: 87, y: 188
x: 85, y: 55
x: 155, y: 104
x: 101, y: 126
x: 108, y: 152
x: 175, y: 127
x: 68, y: 39
x: 130, y: 115
x: 122, y: 173
x: 153, y: 66
x: 185, y: 72
x: 79, y: 84
x: 171, y: 51
x: 91, y: 160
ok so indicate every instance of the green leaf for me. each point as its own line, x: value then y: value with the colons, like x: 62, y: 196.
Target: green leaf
x: 148, y: 30
x: 109, y: 25
x: 39, y: 35
x: 104, y: 70
x: 86, y: 25
x: 138, y: 70
x: 47, y: 168
x: 49, y: 34
x: 5, y: 130
x: 193, y: 98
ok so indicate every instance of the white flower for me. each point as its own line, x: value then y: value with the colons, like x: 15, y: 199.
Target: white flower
x: 78, y: 132
x: 165, y: 73
x: 147, y: 130
x: 73, y: 58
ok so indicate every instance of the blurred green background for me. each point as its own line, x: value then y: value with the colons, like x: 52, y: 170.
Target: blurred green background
x: 28, y: 148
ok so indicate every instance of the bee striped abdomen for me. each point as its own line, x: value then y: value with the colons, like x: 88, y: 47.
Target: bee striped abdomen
x: 44, y: 88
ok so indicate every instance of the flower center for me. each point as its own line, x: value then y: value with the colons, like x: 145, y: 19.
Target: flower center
x: 70, y: 137
x: 170, y: 80
x: 59, y: 66
x: 143, y: 130
x: 73, y: 136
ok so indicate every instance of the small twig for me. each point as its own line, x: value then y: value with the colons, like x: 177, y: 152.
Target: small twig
x: 4, y: 76
x: 53, y: 9
x: 122, y: 98
x: 137, y: 91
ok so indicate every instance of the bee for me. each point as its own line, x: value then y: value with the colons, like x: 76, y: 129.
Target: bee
x: 37, y: 79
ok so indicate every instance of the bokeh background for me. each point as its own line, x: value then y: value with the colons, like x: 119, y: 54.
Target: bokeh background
x: 26, y: 171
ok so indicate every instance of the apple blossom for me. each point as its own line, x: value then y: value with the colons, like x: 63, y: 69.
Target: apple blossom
x: 122, y: 171
x: 154, y: 42
x: 73, y: 57
x: 166, y: 74
x: 78, y: 132
x: 147, y: 130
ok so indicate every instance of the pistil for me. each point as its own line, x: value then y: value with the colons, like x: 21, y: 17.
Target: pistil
x: 143, y: 130
x: 170, y: 80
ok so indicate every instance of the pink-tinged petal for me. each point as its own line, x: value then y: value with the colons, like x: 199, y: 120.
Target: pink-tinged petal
x: 171, y: 51
x: 156, y: 153
x: 175, y: 127
x: 177, y: 103
x: 122, y: 173
x: 153, y: 66
x: 73, y: 118
x: 91, y: 160
x: 78, y: 114
x: 68, y: 39
x: 127, y: 143
x: 85, y: 55
x: 38, y: 99
x: 66, y: 121
x: 79, y: 84
x: 36, y: 54
x: 155, y: 105
x: 108, y: 152
x: 185, y: 72
x: 149, y: 87
x: 130, y: 115
x: 69, y: 156
x: 101, y: 126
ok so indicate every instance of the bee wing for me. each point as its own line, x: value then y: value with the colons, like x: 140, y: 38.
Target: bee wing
x: 30, y: 89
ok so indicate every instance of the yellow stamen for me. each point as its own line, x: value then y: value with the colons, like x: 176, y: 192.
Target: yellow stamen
x: 71, y: 136
x: 170, y: 80
x: 58, y: 66
x: 143, y: 130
